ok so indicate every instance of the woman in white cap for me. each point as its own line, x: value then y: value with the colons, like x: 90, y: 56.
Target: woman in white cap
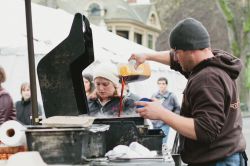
x: 106, y: 98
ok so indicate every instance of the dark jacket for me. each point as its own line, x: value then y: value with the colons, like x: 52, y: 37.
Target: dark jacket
x: 24, y: 111
x: 211, y: 98
x: 7, y: 111
x: 111, y: 108
x: 170, y: 102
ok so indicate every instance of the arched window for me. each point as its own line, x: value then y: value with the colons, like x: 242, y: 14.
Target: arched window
x: 94, y: 10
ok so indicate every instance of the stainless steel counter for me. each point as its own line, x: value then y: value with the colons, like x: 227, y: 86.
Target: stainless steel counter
x: 131, y: 162
x: 134, y: 162
x: 140, y: 162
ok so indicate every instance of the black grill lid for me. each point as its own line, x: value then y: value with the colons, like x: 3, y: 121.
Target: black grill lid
x: 60, y: 72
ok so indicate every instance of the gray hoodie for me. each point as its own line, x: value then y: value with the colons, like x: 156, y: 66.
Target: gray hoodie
x: 169, y: 101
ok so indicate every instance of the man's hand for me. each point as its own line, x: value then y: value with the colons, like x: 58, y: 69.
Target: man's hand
x: 139, y: 58
x: 151, y: 110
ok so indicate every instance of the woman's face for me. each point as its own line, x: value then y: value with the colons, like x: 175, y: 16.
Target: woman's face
x: 104, y: 88
x: 86, y: 85
x: 26, y: 93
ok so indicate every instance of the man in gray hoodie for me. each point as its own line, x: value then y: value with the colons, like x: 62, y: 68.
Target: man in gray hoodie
x: 210, y: 122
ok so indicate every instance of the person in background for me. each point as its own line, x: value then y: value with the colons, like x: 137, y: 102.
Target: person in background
x: 88, y: 84
x: 24, y: 106
x: 210, y: 122
x: 106, y: 98
x: 168, y: 101
x: 7, y: 111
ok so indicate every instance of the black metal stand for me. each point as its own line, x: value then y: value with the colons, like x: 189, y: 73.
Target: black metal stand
x: 32, y: 70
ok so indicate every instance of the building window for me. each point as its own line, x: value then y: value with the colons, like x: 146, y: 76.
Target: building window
x: 150, y: 41
x: 94, y: 10
x: 122, y: 34
x: 153, y: 19
x: 138, y: 38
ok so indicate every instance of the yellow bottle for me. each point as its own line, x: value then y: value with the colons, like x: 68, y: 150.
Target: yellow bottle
x: 130, y: 74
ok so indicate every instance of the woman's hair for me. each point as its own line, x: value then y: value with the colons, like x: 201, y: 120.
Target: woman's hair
x: 2, y: 75
x: 89, y: 77
x: 23, y: 86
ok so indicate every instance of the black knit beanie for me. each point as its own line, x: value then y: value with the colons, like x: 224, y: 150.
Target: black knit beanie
x: 189, y: 34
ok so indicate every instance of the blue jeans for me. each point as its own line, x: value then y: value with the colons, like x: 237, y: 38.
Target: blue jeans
x: 235, y: 159
x: 165, y: 129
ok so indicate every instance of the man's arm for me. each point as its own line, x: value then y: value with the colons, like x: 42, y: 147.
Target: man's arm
x: 161, y: 57
x: 155, y: 111
x: 185, y: 126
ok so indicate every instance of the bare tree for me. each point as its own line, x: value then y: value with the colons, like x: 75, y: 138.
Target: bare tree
x: 237, y: 14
